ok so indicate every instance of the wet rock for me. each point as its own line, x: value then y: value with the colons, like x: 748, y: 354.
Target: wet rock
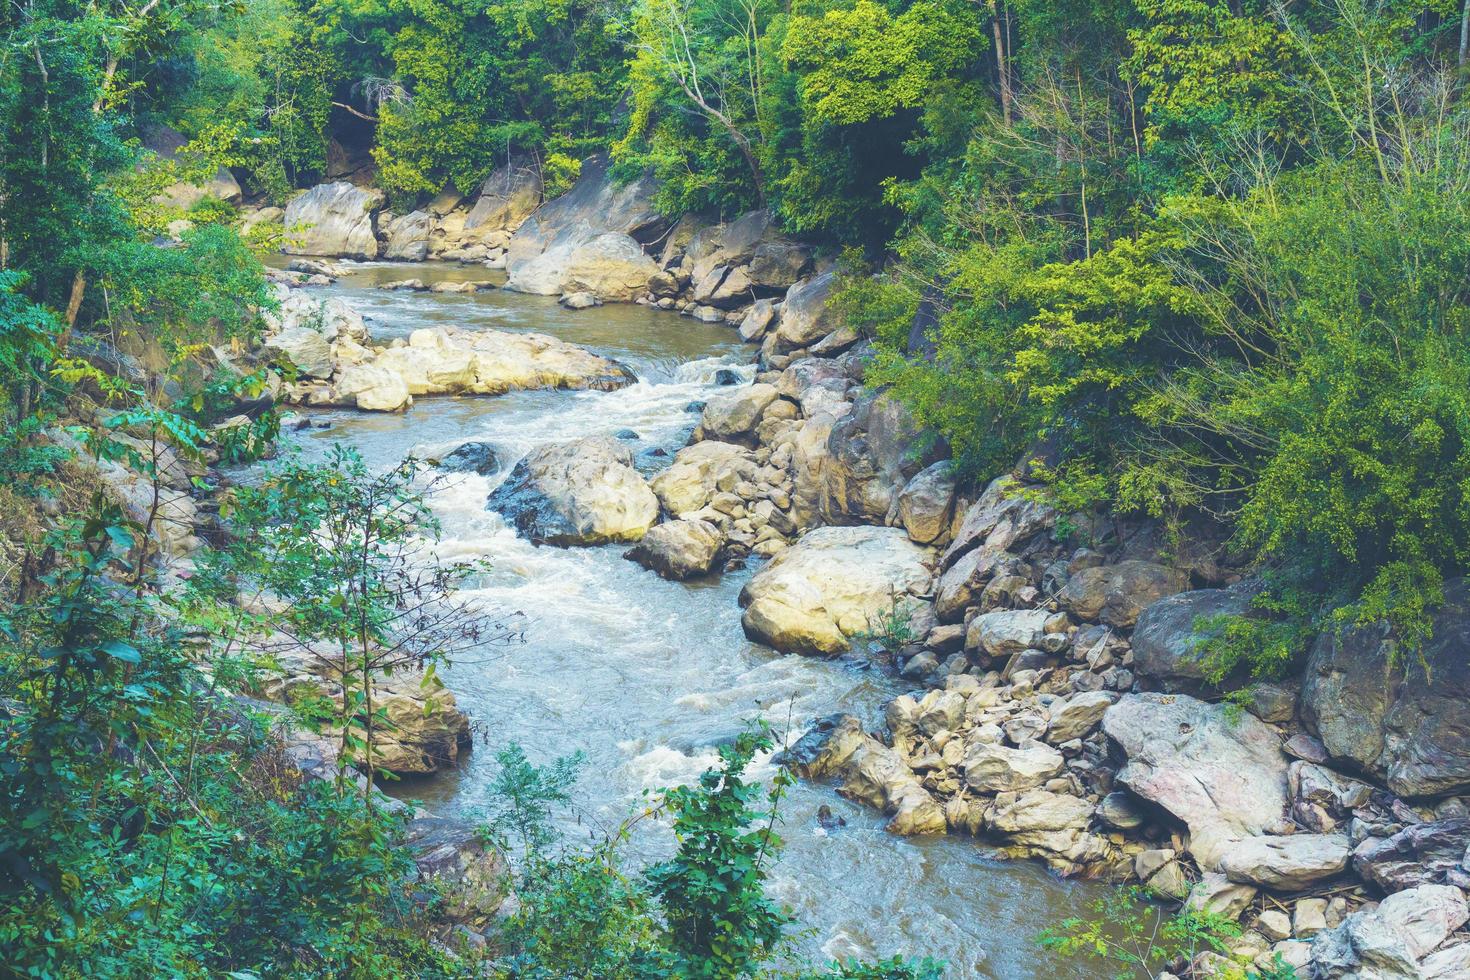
x: 579, y: 301
x: 1117, y: 594
x: 493, y: 362
x: 832, y: 585
x: 1051, y: 826
x: 876, y: 775
x: 726, y: 378
x: 372, y: 389
x: 333, y: 219
x: 1224, y: 777
x: 577, y: 493
x: 1289, y: 863
x: 1401, y: 724
x: 679, y: 549
x: 471, y: 457
x: 825, y: 748
x: 1422, y: 854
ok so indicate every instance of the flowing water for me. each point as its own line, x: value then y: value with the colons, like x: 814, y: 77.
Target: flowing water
x: 644, y: 676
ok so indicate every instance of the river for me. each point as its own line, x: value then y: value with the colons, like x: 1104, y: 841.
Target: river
x: 644, y: 675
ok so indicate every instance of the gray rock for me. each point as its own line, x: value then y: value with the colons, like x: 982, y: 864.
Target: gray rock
x: 1223, y: 776
x: 1119, y: 811
x: 582, y: 492
x: 1387, y: 942
x: 1166, y: 647
x: 991, y: 768
x: 1076, y: 716
x: 333, y: 219
x: 806, y: 316
x: 1288, y: 863
x: 1216, y: 893
x: 871, y: 455
x: 733, y: 415
x: 472, y: 457
x: 1421, y: 854
x: 926, y: 503
x: 1117, y: 594
x: 1402, y: 724
x: 408, y: 237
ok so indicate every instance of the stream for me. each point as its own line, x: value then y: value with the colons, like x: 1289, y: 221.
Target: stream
x: 643, y: 675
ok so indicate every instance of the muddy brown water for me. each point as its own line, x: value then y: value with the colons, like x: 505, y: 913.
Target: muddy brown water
x: 645, y: 676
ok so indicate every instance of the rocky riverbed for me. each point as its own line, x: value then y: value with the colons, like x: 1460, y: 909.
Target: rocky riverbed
x: 1006, y: 676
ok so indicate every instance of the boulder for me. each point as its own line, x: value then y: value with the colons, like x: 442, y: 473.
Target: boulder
x: 1288, y: 863
x: 877, y: 776
x: 1116, y: 594
x: 577, y: 493
x: 539, y: 258
x: 993, y: 768
x: 926, y: 503
x: 305, y: 348
x: 679, y: 549
x: 961, y: 585
x: 733, y: 416
x: 1050, y: 826
x: 1222, y: 775
x: 825, y: 748
x: 579, y: 301
x: 1000, y: 518
x: 408, y: 237
x: 1399, y: 722
x: 1216, y: 893
x: 165, y: 142
x: 1007, y: 631
x: 871, y: 456
x: 333, y: 219
x: 453, y: 859
x: 1076, y: 716
x: 612, y: 266
x: 492, y: 362
x: 689, y: 483
x: 372, y: 389
x: 1166, y: 643
x: 1388, y: 942
x: 834, y: 584
x: 470, y: 457
x: 806, y: 316
x: 779, y: 265
x: 507, y: 198
x: 758, y: 320
x: 1420, y: 854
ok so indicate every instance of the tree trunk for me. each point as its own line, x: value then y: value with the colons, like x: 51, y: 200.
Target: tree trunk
x: 1002, y: 68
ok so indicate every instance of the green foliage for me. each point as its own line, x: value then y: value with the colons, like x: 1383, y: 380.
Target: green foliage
x: 1133, y: 938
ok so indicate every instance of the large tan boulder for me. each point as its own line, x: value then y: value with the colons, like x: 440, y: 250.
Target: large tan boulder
x: 577, y: 493
x: 333, y: 219
x: 834, y: 584
x: 689, y: 483
x: 372, y: 389
x: 806, y: 313
x: 733, y: 415
x: 679, y: 549
x: 611, y: 266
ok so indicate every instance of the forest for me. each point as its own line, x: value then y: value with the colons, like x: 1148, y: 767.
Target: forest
x: 1196, y: 262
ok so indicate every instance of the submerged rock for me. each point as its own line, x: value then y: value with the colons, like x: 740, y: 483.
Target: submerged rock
x: 471, y: 457
x: 577, y: 493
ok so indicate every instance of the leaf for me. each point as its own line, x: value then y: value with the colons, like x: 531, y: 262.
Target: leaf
x: 118, y: 650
